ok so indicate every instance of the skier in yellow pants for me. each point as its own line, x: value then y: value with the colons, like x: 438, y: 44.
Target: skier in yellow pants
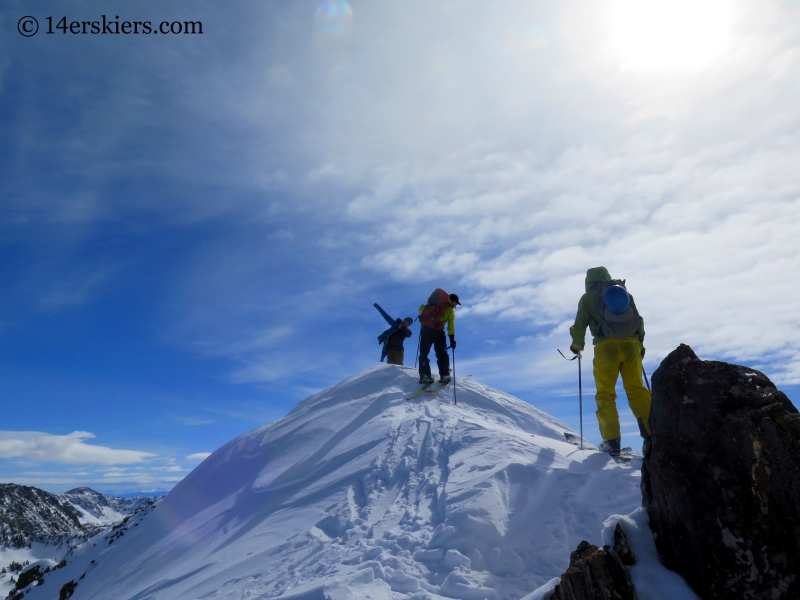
x: 618, y: 335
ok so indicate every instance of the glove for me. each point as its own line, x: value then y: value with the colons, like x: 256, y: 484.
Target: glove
x: 642, y: 352
x: 453, y: 341
x: 573, y: 350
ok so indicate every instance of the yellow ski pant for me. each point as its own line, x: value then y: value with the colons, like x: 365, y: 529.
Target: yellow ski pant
x: 613, y: 357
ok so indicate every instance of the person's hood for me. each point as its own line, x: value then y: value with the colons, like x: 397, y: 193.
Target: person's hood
x: 596, y: 274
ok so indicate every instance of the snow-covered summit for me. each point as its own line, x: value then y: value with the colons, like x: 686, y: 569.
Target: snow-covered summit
x: 359, y: 492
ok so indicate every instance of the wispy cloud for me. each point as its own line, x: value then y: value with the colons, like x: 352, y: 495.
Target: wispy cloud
x: 77, y: 289
x: 198, y: 456
x: 67, y: 449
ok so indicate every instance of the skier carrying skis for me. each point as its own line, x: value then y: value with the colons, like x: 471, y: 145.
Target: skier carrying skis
x: 439, y: 310
x: 393, y: 338
x: 618, y: 335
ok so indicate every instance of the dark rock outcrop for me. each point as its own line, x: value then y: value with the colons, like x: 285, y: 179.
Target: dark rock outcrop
x: 67, y: 590
x: 598, y: 574
x: 721, y: 479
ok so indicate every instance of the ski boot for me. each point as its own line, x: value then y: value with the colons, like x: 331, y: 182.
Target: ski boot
x: 425, y: 380
x: 611, y: 446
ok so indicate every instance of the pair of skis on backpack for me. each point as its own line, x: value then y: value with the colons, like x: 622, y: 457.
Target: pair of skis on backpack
x: 625, y: 454
x: 433, y: 387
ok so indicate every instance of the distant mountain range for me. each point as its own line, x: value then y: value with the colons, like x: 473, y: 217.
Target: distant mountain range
x: 95, y: 509
x: 28, y: 514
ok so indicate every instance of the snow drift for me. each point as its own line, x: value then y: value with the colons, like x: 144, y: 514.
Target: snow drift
x: 359, y: 493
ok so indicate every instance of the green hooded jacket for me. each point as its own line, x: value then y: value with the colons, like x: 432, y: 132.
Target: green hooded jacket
x: 588, y: 315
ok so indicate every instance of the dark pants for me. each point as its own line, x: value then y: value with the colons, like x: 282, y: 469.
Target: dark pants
x: 394, y: 357
x: 433, y: 337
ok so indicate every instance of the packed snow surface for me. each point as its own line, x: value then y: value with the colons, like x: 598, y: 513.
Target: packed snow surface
x: 360, y: 493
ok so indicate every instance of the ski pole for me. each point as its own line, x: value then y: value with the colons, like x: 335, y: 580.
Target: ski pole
x: 453, y: 350
x: 580, y: 396
x: 419, y: 343
x: 580, y: 388
x: 645, y: 380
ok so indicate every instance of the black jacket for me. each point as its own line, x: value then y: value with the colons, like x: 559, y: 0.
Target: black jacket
x: 395, y: 341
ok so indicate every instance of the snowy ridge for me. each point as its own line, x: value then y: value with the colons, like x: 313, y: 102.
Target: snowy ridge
x: 359, y: 493
x: 29, y: 514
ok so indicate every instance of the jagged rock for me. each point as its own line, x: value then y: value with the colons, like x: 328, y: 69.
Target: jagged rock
x: 721, y: 479
x: 622, y: 548
x: 29, y: 576
x: 598, y: 574
x: 67, y: 590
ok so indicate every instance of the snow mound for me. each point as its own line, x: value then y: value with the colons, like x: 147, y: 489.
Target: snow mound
x: 360, y: 493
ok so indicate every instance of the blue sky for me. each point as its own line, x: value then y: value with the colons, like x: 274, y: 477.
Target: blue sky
x: 194, y: 227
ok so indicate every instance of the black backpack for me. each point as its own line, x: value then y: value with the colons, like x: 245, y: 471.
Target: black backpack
x: 612, y: 325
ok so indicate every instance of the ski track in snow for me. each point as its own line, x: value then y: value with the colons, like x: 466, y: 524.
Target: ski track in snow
x: 359, y: 493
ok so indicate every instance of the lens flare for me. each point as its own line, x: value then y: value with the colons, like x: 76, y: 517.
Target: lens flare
x: 333, y: 20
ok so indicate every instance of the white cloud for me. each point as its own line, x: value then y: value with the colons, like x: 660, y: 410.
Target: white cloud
x: 707, y: 238
x: 198, y: 456
x: 67, y: 449
x: 534, y: 158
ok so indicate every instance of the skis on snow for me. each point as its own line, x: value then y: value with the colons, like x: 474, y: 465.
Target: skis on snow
x: 433, y: 387
x: 420, y: 391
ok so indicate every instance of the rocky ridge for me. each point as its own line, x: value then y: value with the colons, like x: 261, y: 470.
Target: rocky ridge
x: 29, y: 514
x: 721, y: 481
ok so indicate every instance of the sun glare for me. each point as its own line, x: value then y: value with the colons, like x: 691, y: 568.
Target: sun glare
x: 684, y: 35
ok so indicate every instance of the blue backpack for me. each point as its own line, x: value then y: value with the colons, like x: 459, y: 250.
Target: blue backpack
x: 613, y: 325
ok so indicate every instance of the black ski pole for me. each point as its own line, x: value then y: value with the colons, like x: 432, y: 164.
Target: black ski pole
x: 580, y: 388
x: 453, y: 350
x: 645, y: 380
x: 419, y: 343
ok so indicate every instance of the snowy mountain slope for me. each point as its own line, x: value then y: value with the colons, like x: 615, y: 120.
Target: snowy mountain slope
x: 358, y: 493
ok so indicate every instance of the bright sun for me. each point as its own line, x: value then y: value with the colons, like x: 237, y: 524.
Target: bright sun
x: 669, y: 34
